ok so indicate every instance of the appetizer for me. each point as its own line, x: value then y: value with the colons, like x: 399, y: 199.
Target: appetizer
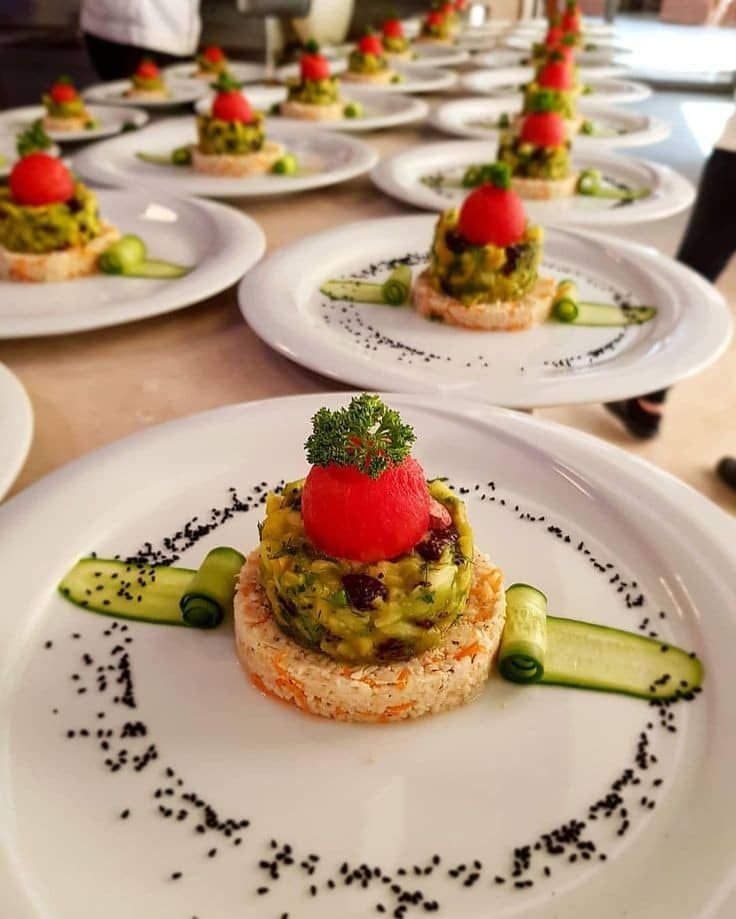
x: 232, y: 139
x: 368, y: 63
x: 211, y: 62
x: 539, y: 154
x: 395, y: 43
x: 366, y: 599
x: 315, y: 96
x: 557, y: 78
x: 572, y: 19
x: 436, y: 29
x: 65, y: 109
x: 147, y: 83
x: 50, y: 228
x: 483, y: 271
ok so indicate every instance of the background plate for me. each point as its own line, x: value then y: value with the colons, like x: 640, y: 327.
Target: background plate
x: 380, y: 347
x: 182, y: 93
x: 16, y: 422
x: 243, y: 71
x: 109, y: 120
x: 530, y: 759
x: 221, y: 242
x: 329, y: 158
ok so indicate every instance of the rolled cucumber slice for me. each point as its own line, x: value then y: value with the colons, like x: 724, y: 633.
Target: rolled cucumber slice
x: 600, y: 314
x: 353, y: 291
x: 209, y: 594
x: 146, y: 593
x: 565, y: 652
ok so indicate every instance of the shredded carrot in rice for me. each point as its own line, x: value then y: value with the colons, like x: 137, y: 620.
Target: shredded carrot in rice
x: 467, y: 651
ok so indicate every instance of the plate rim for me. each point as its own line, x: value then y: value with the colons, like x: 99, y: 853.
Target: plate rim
x: 11, y: 381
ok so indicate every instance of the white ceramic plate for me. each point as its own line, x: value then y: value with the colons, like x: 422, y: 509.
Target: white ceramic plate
x: 220, y: 242
x: 515, y: 764
x: 406, y: 175
x: 16, y: 422
x: 182, y: 92
x: 613, y: 127
x: 380, y: 110
x: 498, y: 57
x: 243, y: 71
x: 518, y: 73
x: 592, y: 29
x: 416, y: 78
x: 109, y: 120
x: 509, y: 81
x: 327, y: 156
x: 437, y: 56
x: 9, y: 155
x: 604, y: 48
x: 381, y: 347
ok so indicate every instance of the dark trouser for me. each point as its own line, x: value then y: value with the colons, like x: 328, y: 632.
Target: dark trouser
x: 114, y: 61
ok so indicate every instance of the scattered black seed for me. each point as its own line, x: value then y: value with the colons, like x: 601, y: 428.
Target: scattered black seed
x: 125, y: 814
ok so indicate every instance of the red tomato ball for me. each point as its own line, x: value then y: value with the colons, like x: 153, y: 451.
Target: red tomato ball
x: 39, y: 179
x: 232, y: 106
x: 492, y: 216
x: 543, y: 129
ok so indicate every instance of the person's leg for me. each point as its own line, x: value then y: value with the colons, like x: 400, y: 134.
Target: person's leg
x: 708, y: 244
x: 115, y: 61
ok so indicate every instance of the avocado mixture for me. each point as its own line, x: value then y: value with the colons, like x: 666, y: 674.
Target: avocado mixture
x: 562, y: 102
x: 152, y: 84
x: 366, y: 63
x: 395, y: 44
x: 482, y: 274
x: 384, y: 611
x: 49, y: 227
x: 442, y: 30
x: 530, y: 162
x: 230, y: 137
x: 315, y: 92
x: 72, y: 109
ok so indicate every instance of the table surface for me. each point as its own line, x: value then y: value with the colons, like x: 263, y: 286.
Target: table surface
x: 92, y: 388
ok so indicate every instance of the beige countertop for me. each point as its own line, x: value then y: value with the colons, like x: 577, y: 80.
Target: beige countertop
x: 92, y: 388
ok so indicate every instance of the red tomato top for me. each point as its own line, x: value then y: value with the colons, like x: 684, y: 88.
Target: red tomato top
x: 556, y: 75
x: 148, y: 69
x: 492, y: 216
x: 39, y: 179
x: 232, y: 106
x: 571, y: 20
x: 392, y: 28
x: 214, y: 54
x: 371, y: 44
x: 63, y: 92
x: 348, y: 514
x: 435, y: 18
x: 553, y: 36
x: 314, y: 67
x: 543, y: 129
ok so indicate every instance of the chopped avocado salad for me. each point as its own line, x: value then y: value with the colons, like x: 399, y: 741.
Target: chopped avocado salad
x: 49, y: 227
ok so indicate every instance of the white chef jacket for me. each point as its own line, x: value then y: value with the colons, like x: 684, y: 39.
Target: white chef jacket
x: 728, y: 138
x: 170, y: 26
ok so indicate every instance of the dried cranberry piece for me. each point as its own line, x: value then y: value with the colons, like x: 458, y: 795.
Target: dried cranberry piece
x: 455, y: 243
x: 433, y: 543
x: 362, y: 590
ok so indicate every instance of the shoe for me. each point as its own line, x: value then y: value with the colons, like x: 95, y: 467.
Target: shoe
x: 641, y: 416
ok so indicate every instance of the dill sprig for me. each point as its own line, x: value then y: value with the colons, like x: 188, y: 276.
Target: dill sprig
x: 367, y: 435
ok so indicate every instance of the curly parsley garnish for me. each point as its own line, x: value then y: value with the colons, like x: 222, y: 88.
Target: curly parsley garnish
x: 32, y: 139
x: 367, y: 434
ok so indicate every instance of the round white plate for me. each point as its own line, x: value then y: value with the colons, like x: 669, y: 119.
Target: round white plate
x: 498, y: 57
x: 509, y: 82
x: 614, y: 127
x: 518, y: 73
x: 182, y: 93
x: 379, y: 347
x: 594, y: 527
x: 9, y: 154
x: 109, y: 120
x: 603, y: 45
x: 598, y: 55
x: 16, y: 422
x: 405, y: 176
x: 329, y: 157
x: 243, y: 71
x: 437, y: 56
x: 415, y: 78
x: 380, y: 110
x: 590, y: 29
x: 220, y: 242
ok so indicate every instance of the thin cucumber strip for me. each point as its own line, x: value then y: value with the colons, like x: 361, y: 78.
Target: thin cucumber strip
x: 146, y: 593
x: 209, y: 595
x: 601, y: 314
x: 397, y: 286
x: 619, y: 194
x: 158, y: 159
x: 354, y: 291
x: 588, y: 656
x: 523, y: 646
x: 156, y: 269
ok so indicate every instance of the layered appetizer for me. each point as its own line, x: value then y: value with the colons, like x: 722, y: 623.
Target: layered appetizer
x: 368, y: 63
x: 538, y: 156
x: 211, y: 62
x: 65, y: 110
x: 366, y: 599
x: 436, y: 29
x: 147, y: 83
x: 50, y: 227
x: 484, y: 263
x: 315, y: 95
x: 557, y: 79
x: 231, y: 140
x: 395, y: 43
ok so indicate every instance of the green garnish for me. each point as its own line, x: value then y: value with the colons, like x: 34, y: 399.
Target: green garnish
x: 353, y: 110
x: 225, y: 83
x: 542, y: 101
x: 591, y: 184
x: 367, y: 435
x: 32, y: 139
x: 394, y: 291
x: 209, y: 596
x: 504, y: 120
x: 128, y: 257
x: 587, y: 127
x: 287, y: 165
x: 568, y: 308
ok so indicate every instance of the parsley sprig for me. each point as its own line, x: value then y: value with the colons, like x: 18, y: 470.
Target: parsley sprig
x: 367, y: 435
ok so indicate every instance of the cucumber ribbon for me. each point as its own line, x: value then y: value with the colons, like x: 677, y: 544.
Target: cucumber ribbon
x: 567, y: 308
x: 210, y: 594
x: 394, y: 291
x: 128, y: 257
x: 590, y: 184
x: 538, y: 648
